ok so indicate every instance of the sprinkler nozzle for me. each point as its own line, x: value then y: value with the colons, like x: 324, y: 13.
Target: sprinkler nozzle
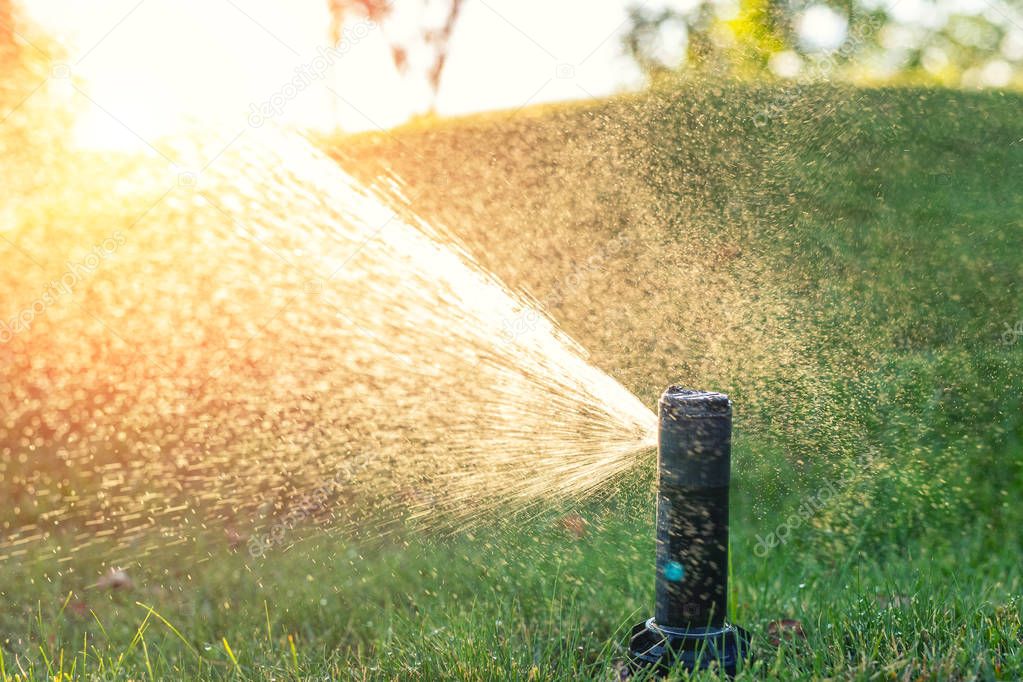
x: 694, y: 469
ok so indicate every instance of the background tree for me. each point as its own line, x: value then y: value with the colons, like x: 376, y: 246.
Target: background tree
x: 430, y: 42
x: 951, y: 44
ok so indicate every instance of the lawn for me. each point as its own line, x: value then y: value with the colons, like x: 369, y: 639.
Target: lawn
x: 845, y: 263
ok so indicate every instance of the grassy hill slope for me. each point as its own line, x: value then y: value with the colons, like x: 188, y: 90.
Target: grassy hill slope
x: 845, y: 263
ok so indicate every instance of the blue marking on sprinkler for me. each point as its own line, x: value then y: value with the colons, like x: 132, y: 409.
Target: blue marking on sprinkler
x: 694, y: 454
x: 674, y: 571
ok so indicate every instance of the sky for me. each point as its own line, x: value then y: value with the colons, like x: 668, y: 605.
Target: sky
x: 155, y: 64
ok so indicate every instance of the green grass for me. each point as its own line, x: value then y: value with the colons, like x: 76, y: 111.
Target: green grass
x: 510, y: 604
x: 875, y: 242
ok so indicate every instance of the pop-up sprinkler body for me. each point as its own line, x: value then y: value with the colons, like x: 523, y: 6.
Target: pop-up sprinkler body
x: 694, y: 463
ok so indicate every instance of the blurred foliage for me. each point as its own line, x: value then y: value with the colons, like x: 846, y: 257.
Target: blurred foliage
x: 948, y: 42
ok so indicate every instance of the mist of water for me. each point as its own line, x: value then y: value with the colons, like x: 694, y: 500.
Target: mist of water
x: 269, y: 339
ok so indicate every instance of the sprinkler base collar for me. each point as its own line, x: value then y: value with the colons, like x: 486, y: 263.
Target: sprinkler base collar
x: 662, y: 648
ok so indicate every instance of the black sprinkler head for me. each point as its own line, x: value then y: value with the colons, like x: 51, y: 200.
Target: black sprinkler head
x: 694, y: 468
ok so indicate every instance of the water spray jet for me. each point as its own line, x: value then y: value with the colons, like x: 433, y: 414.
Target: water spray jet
x: 694, y: 469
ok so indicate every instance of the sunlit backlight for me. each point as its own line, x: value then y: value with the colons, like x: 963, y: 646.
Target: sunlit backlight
x: 144, y: 71
x: 274, y: 330
x: 233, y: 338
x: 821, y: 28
